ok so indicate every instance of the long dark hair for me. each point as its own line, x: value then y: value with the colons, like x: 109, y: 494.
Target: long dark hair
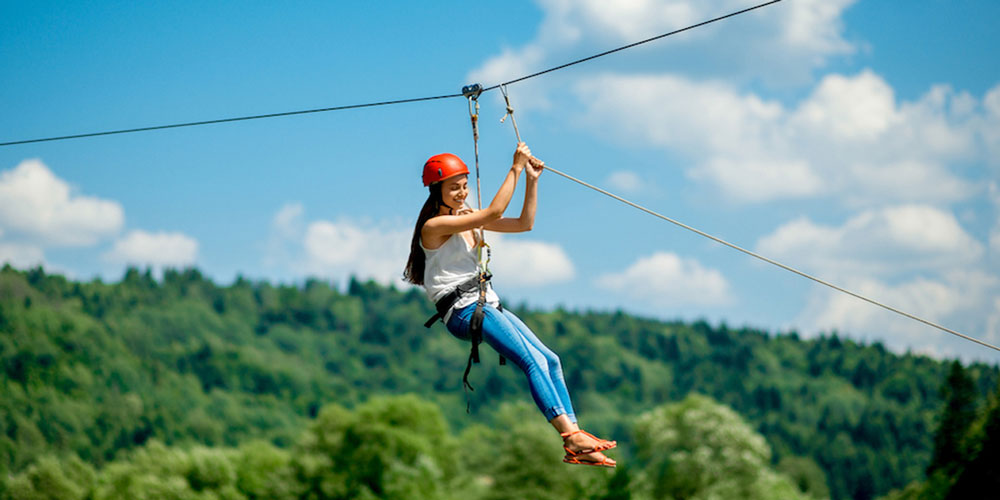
x: 414, y: 272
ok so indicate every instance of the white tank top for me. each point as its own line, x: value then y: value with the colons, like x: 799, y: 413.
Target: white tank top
x: 447, y: 266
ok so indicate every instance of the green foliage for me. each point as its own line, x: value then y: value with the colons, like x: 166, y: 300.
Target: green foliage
x: 96, y: 370
x: 390, y: 448
x: 805, y: 474
x: 156, y: 471
x: 698, y: 449
x: 263, y: 472
x: 399, y: 447
x: 982, y: 471
x: 967, y: 446
x: 960, y: 409
x: 49, y: 479
x: 522, y: 458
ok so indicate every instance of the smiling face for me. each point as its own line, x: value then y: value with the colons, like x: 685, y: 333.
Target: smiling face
x: 454, y: 190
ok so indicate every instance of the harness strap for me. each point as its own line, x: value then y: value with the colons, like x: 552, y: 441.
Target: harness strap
x: 445, y: 303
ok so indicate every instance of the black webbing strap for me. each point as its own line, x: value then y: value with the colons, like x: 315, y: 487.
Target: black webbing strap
x: 444, y: 303
x: 475, y: 336
x: 477, y: 284
x: 442, y: 307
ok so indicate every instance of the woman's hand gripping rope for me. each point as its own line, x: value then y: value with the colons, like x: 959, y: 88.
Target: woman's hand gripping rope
x: 534, y: 169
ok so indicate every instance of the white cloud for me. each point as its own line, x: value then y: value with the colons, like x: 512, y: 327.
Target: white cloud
x: 509, y: 65
x: 991, y: 129
x: 285, y: 239
x: 849, y: 139
x: 520, y: 262
x: 787, y: 41
x: 352, y: 247
x: 626, y: 181
x: 21, y: 256
x: 813, y: 29
x: 336, y: 249
x: 884, y: 241
x: 915, y: 258
x: 625, y: 20
x: 992, y: 334
x: 288, y: 221
x: 342, y: 248
x: 859, y: 109
x: 159, y: 249
x: 667, y: 279
x: 995, y: 231
x: 38, y: 207
x: 963, y: 301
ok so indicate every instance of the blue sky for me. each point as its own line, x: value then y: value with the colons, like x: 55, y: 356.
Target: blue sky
x: 857, y: 140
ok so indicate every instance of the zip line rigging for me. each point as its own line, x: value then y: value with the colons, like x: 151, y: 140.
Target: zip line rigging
x: 380, y: 103
x: 472, y: 93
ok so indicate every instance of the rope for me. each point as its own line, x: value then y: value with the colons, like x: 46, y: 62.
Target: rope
x: 381, y: 103
x: 474, y: 117
x: 510, y: 112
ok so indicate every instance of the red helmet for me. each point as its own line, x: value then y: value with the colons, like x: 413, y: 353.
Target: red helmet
x: 442, y: 166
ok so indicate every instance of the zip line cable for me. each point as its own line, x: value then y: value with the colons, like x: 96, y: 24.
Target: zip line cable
x: 381, y: 103
x: 228, y: 120
x: 629, y: 46
x: 510, y: 113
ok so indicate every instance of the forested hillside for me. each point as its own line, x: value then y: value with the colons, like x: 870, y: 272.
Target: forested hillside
x: 133, y: 373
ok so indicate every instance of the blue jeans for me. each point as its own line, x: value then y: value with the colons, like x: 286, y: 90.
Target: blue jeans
x: 509, y: 336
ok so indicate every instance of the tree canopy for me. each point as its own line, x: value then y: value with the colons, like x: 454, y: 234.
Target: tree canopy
x: 101, y: 370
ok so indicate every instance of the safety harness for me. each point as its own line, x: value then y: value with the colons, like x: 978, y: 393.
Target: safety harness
x: 476, y: 284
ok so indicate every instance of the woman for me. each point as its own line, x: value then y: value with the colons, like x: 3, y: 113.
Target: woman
x: 443, y: 259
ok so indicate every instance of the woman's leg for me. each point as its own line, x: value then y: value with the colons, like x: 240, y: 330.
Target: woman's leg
x: 509, y: 336
x: 555, y: 366
x: 507, y: 339
x: 566, y: 424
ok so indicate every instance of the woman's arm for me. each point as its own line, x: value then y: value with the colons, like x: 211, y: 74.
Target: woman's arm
x: 527, y: 219
x: 447, y: 225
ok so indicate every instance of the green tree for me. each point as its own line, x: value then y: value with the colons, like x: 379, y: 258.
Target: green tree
x: 521, y: 457
x: 158, y: 472
x: 982, y: 473
x: 50, y: 479
x: 806, y: 474
x: 389, y: 448
x: 950, y: 448
x: 263, y: 472
x: 699, y: 449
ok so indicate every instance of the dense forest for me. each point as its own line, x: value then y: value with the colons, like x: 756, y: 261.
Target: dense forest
x: 181, y: 388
